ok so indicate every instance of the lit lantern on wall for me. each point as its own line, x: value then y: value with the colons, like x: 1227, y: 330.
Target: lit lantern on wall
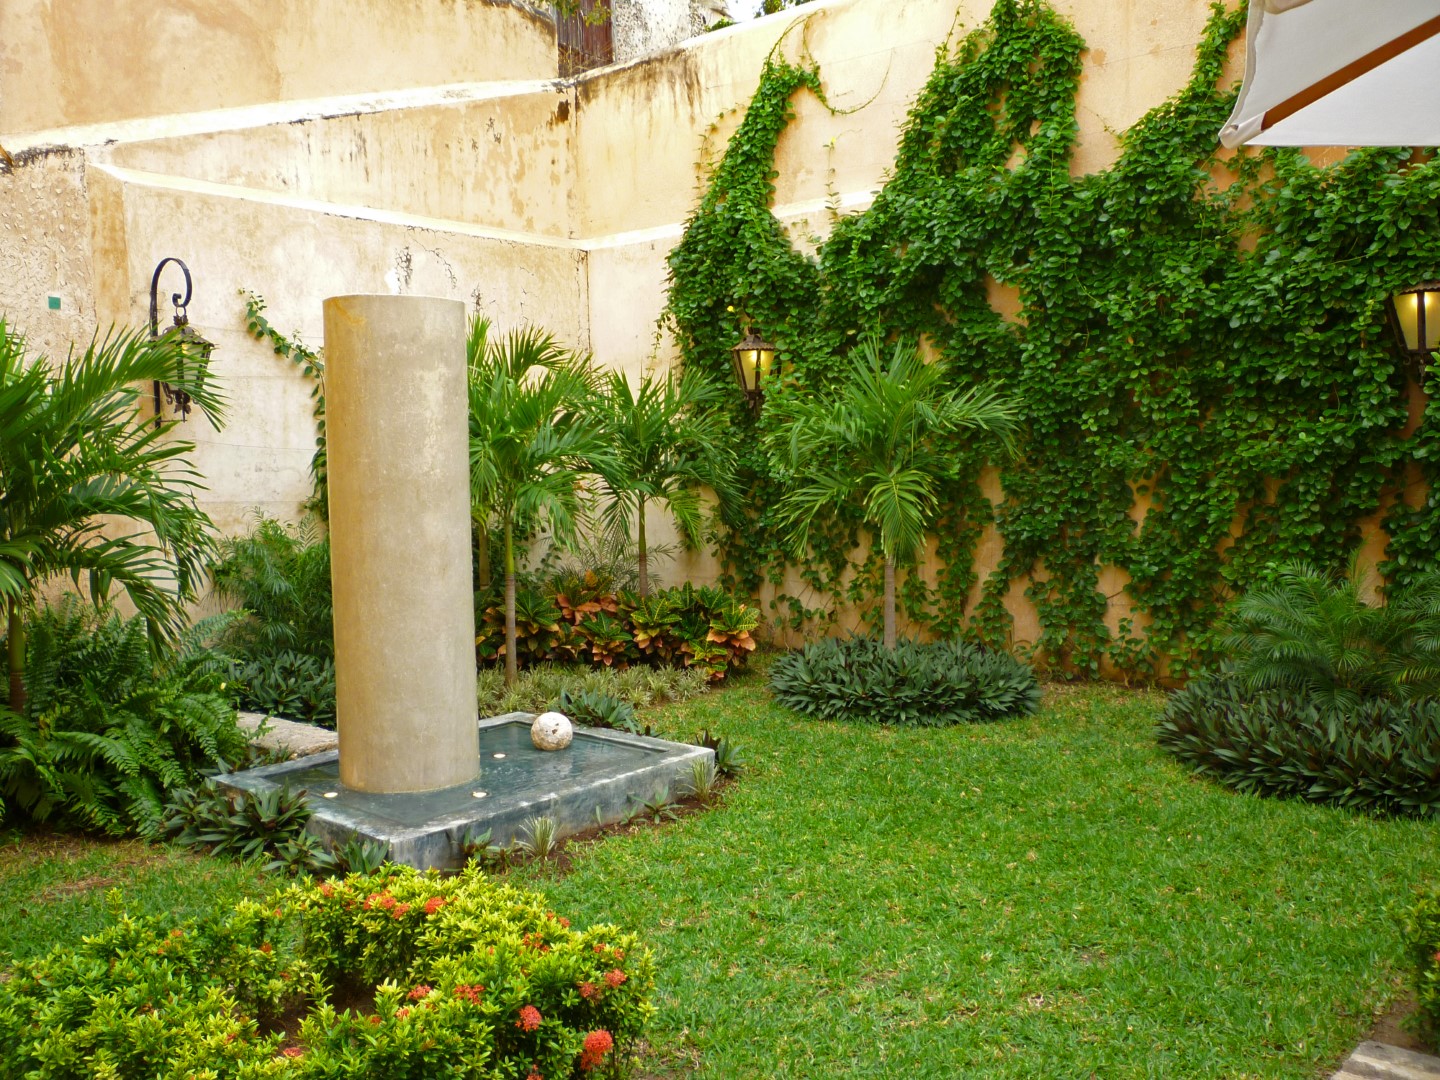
x: 1415, y: 315
x: 754, y: 364
x: 194, y: 350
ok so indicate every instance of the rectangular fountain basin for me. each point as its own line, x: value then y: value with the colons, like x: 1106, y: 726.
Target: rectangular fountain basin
x: 602, y: 777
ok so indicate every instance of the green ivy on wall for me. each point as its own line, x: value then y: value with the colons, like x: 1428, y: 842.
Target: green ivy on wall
x: 1200, y: 334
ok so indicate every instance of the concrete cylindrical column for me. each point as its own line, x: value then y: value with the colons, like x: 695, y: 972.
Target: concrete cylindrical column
x: 398, y: 433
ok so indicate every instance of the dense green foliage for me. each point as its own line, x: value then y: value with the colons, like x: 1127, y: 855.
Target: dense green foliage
x: 1420, y: 923
x: 1314, y: 633
x: 539, y: 688
x: 1202, y: 331
x: 92, y: 489
x: 283, y: 644
x: 470, y: 979
x: 913, y: 683
x: 109, y: 730
x: 707, y: 629
x: 1379, y: 755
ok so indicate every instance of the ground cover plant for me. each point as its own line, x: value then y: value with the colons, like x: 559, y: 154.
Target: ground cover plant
x: 460, y: 976
x: 541, y: 687
x: 109, y: 727
x: 912, y: 683
x: 1323, y: 695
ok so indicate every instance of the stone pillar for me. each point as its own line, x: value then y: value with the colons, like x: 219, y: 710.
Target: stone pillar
x: 398, y: 432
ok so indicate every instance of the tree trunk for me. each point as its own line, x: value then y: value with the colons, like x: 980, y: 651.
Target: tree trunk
x: 512, y: 667
x: 482, y: 554
x: 644, y: 554
x: 889, y: 603
x: 15, y: 648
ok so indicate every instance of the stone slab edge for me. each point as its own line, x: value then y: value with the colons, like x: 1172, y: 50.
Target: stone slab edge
x: 1381, y: 1061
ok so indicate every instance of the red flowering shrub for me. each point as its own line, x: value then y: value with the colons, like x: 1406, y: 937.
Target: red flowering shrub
x: 232, y: 979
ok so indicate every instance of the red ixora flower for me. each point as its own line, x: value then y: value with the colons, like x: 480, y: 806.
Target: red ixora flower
x: 400, y: 909
x: 589, y: 990
x: 529, y: 1018
x: 265, y: 948
x: 327, y: 890
x: 421, y: 991
x: 597, y: 1045
x: 293, y: 1052
x: 615, y: 979
x: 469, y: 993
x: 401, y: 1013
x: 1437, y: 956
x: 434, y: 904
x: 533, y: 1074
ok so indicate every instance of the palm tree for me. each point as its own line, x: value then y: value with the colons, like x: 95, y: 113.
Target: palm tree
x: 1313, y: 632
x: 666, y: 443
x: 532, y: 441
x: 881, y: 443
x: 77, y: 459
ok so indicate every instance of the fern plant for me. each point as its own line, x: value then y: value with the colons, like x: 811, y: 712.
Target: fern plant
x: 108, y: 730
x: 1312, y: 632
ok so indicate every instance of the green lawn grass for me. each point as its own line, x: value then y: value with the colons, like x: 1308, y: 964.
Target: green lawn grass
x: 1048, y: 897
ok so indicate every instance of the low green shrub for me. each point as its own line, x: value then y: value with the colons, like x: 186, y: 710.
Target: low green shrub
x: 705, y: 628
x: 1313, y: 633
x: 282, y: 642
x: 1377, y: 755
x: 470, y: 979
x: 541, y: 687
x: 288, y: 684
x: 1420, y: 926
x: 109, y: 728
x: 944, y: 682
x: 599, y: 710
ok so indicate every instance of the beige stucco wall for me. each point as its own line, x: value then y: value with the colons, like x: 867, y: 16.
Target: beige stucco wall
x: 538, y: 201
x: 72, y: 62
x: 295, y: 255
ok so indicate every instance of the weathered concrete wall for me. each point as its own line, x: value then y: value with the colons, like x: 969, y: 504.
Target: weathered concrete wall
x: 500, y: 158
x: 45, y: 250
x: 69, y: 62
x: 295, y: 254
x: 641, y: 27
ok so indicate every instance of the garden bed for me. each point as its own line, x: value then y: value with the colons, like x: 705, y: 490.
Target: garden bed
x: 1047, y: 894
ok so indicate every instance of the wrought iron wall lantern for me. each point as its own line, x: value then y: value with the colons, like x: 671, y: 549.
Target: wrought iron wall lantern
x: 194, y: 349
x: 1415, y: 317
x: 754, y: 359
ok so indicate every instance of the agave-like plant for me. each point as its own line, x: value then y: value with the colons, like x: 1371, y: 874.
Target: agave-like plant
x: 1314, y: 632
x: 883, y: 442
x: 91, y: 488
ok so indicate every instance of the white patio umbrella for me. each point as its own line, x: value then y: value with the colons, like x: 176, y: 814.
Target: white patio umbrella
x: 1339, y: 73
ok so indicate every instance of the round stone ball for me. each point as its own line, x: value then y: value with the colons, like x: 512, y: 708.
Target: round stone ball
x: 551, y: 731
